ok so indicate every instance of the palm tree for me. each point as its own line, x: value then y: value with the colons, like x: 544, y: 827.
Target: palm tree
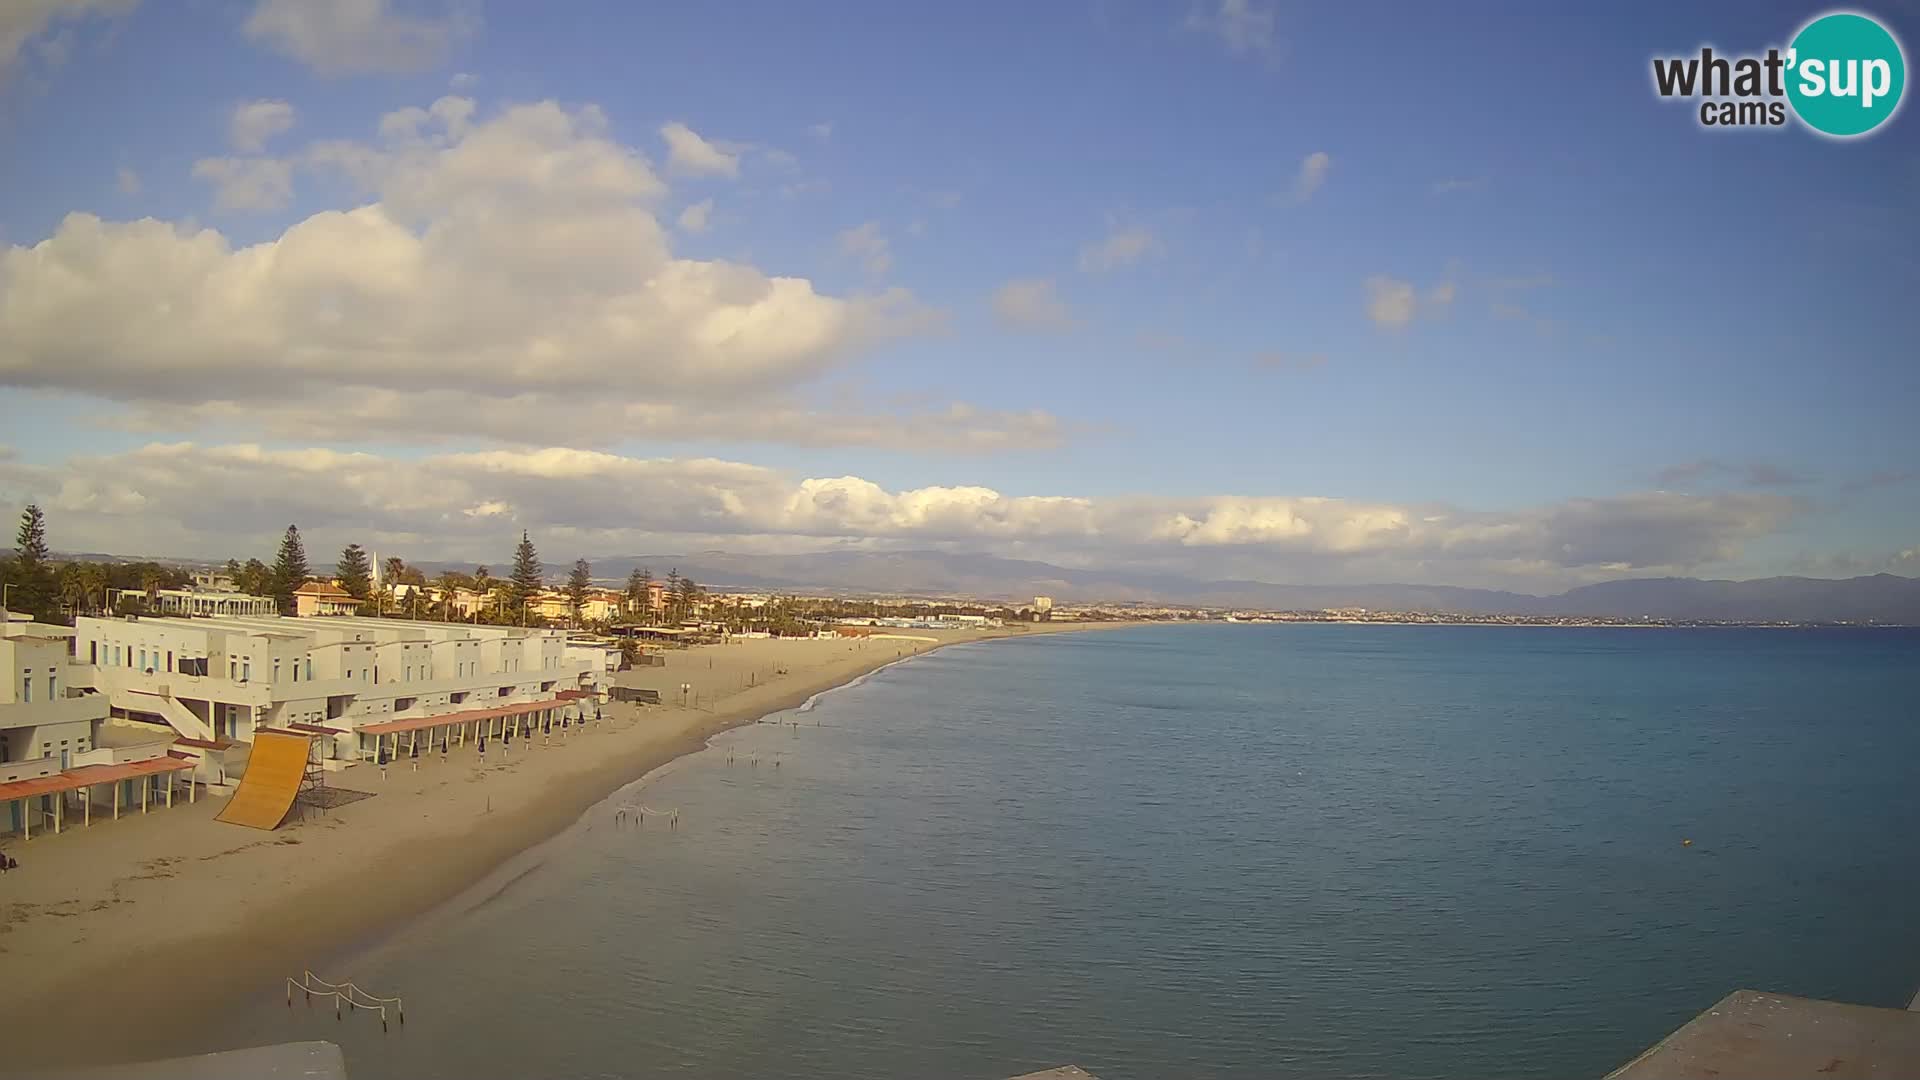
x: 75, y: 588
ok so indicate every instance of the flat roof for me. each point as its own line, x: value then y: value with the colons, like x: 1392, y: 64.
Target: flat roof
x: 1749, y: 1033
x: 415, y: 723
x: 88, y: 775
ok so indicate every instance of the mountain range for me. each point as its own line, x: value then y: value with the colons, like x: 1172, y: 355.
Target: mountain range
x: 1878, y: 598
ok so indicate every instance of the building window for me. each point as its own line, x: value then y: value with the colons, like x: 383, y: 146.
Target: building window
x: 53, y: 688
x: 309, y: 669
x: 93, y: 653
x: 26, y: 689
x: 233, y: 668
x: 169, y: 659
x: 246, y: 670
x: 276, y: 670
x: 143, y: 659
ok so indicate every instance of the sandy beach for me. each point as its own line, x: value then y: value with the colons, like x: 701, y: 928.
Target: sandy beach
x: 123, y: 940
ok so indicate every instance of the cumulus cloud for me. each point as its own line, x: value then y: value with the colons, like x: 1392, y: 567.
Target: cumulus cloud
x: 253, y: 184
x: 1031, y: 304
x: 1394, y: 304
x: 692, y: 155
x: 867, y: 244
x: 1313, y: 173
x: 1241, y: 25
x: 1390, y: 302
x: 335, y: 37
x: 214, y: 499
x: 254, y: 122
x: 696, y: 217
x: 496, y: 256
x: 22, y: 21
x: 1123, y: 245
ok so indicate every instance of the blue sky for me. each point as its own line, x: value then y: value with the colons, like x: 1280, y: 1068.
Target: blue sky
x: 1386, y: 291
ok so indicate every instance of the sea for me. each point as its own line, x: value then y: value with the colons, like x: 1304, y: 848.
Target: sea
x: 1202, y: 851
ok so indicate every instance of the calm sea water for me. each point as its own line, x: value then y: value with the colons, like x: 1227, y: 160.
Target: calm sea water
x: 1209, y: 851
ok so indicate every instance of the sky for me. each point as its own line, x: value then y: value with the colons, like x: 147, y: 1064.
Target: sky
x: 1301, y: 293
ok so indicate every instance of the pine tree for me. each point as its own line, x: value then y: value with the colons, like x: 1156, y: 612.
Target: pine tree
x: 689, y: 599
x: 289, y: 568
x: 34, y: 589
x: 638, y: 584
x: 232, y: 570
x: 356, y: 574
x: 254, y: 578
x: 527, y: 578
x: 672, y: 596
x: 578, y: 583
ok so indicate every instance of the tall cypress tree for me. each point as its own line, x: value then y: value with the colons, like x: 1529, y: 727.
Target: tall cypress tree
x: 356, y: 573
x: 32, y: 576
x: 289, y: 568
x: 578, y: 583
x: 527, y: 576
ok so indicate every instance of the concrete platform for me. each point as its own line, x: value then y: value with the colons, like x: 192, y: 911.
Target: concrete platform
x: 1787, y: 1038
x: 1064, y: 1072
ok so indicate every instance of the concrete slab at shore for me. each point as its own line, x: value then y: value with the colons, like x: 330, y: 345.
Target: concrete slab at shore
x: 1787, y: 1038
x: 1064, y: 1072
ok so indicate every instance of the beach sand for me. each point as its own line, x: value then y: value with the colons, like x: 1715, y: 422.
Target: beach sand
x: 125, y: 940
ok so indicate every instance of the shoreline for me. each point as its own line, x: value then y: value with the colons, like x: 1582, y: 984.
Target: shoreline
x: 218, y: 912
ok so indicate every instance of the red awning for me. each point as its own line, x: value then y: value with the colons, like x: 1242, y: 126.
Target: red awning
x: 88, y: 775
x: 415, y: 723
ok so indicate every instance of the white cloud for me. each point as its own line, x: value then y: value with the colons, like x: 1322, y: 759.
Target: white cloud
x: 688, y: 153
x: 869, y: 245
x: 696, y: 217
x: 1244, y: 27
x: 1313, y: 173
x: 1122, y: 246
x: 336, y: 37
x: 255, y: 122
x: 22, y: 21
x: 127, y: 181
x: 215, y: 500
x: 821, y: 131
x: 247, y: 184
x: 499, y: 257
x: 1031, y: 304
x: 1394, y: 304
x: 1390, y: 302
x: 463, y: 81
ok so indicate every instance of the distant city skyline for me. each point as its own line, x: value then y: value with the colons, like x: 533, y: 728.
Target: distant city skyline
x: 1216, y: 288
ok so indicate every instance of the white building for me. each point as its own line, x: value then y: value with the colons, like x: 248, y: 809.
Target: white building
x: 46, y: 718
x: 203, y: 602
x: 1042, y: 604
x: 223, y: 678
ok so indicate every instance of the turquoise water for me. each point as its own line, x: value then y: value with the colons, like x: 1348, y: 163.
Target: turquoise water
x: 1209, y: 851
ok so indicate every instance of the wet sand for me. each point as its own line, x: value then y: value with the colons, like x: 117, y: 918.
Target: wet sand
x: 125, y: 940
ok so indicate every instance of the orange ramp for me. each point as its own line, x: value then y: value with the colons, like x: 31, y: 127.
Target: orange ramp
x: 272, y: 779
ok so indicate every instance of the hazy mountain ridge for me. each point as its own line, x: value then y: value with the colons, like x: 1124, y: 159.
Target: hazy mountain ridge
x: 1880, y: 597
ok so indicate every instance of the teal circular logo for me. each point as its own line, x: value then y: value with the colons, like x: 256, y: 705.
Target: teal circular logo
x: 1845, y: 74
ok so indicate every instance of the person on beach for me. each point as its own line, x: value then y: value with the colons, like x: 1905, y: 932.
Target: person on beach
x: 483, y: 751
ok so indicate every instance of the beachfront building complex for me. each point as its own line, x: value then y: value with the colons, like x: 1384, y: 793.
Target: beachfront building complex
x: 46, y: 719
x: 221, y: 679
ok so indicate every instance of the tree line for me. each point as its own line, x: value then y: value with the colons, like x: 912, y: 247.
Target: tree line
x: 59, y: 590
